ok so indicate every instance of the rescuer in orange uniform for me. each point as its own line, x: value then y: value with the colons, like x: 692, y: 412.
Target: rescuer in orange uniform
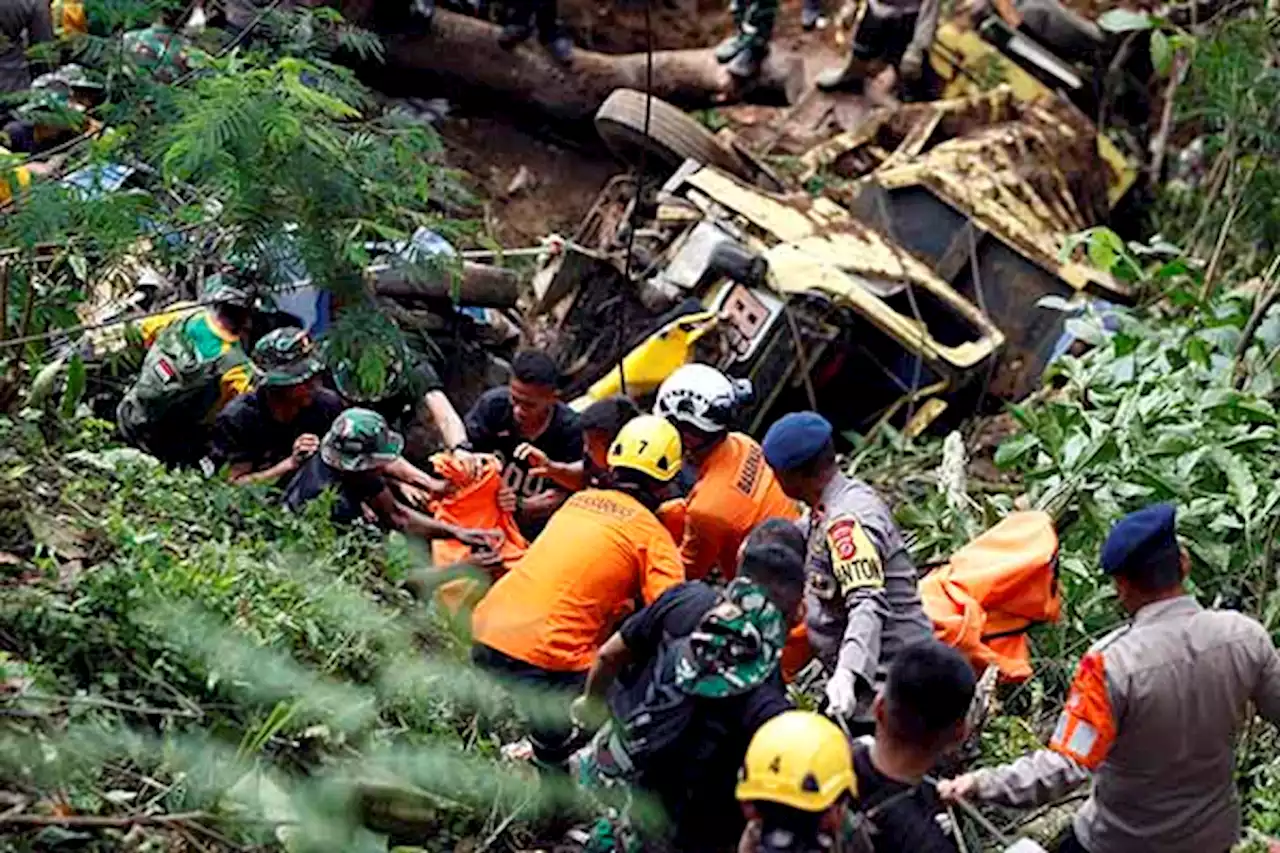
x: 736, y: 488
x: 541, y: 623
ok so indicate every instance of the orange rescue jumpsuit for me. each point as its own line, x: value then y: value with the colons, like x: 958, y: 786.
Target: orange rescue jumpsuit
x: 598, y: 553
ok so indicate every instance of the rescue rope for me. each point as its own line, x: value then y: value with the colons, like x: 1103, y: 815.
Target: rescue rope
x: 639, y: 193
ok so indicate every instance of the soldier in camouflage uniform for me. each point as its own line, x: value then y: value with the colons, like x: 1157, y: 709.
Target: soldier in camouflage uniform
x: 54, y: 112
x: 356, y: 456
x: 863, y: 606
x: 703, y: 696
x: 269, y: 433
x: 195, y: 367
x: 162, y: 50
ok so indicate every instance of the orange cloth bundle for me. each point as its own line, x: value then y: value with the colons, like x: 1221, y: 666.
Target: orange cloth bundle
x: 473, y: 504
x: 984, y: 600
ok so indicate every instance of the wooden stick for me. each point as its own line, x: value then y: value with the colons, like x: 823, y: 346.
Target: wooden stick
x: 101, y: 820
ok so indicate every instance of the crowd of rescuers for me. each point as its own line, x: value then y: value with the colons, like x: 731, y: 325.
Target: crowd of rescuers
x: 675, y: 562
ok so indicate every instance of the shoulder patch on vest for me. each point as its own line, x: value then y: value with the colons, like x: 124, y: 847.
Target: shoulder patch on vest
x: 855, y: 562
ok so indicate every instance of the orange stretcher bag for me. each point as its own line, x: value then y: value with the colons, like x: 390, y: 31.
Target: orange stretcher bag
x: 474, y: 504
x: 989, y: 594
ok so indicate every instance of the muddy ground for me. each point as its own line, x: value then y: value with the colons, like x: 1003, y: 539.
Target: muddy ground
x: 564, y: 174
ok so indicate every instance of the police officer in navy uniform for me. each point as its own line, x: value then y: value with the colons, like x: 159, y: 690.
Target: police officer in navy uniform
x: 863, y: 606
x: 1154, y: 712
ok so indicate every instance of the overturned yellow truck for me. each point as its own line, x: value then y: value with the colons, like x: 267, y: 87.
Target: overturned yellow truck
x: 892, y: 279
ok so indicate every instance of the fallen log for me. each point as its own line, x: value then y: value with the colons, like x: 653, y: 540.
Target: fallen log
x: 466, y: 49
x: 481, y: 285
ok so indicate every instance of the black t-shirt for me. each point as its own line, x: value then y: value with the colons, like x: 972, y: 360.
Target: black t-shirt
x: 697, y: 776
x: 905, y: 822
x: 491, y: 428
x: 246, y: 432
x: 352, y: 488
x: 673, y: 615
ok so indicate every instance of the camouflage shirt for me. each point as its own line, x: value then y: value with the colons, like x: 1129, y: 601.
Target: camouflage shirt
x: 163, y: 52
x: 193, y: 369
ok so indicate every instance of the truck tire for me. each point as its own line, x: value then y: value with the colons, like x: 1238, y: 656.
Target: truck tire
x: 673, y: 137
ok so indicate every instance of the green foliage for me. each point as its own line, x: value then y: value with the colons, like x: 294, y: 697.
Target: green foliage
x: 265, y: 665
x: 271, y: 155
x: 1231, y: 97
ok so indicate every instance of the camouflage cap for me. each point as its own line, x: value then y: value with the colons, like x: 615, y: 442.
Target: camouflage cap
x: 359, y: 440
x: 226, y: 288
x: 285, y: 357
x: 737, y: 645
x: 72, y: 76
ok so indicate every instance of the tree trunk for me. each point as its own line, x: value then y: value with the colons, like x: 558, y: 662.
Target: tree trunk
x: 467, y: 50
x: 479, y: 284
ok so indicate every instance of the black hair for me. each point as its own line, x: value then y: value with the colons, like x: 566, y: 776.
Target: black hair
x: 609, y: 415
x: 821, y: 461
x: 1156, y: 572
x: 535, y: 367
x: 778, y: 531
x: 928, y: 692
x: 780, y: 570
x: 649, y: 491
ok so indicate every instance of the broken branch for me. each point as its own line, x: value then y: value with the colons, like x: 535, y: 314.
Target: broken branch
x: 100, y: 820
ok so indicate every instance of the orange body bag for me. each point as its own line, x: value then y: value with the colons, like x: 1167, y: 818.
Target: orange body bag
x: 474, y: 504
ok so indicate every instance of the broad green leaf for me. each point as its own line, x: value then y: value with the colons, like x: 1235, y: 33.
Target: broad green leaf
x: 1240, y: 479
x: 1102, y: 251
x: 1124, y: 20
x: 1014, y: 449
x: 74, y: 390
x: 79, y: 266
x: 1086, y: 329
x: 43, y: 383
x: 1075, y: 447
x: 1161, y: 54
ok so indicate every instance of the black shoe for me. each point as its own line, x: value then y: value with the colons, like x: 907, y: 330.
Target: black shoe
x: 514, y: 34
x: 731, y: 47
x: 561, y: 49
x: 746, y: 64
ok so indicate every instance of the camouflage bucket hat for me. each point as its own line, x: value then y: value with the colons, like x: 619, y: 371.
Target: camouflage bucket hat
x: 226, y: 288
x: 358, y: 440
x: 286, y: 357
x: 65, y: 79
x: 736, y: 646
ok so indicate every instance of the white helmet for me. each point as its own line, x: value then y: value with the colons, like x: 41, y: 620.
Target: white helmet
x: 702, y: 397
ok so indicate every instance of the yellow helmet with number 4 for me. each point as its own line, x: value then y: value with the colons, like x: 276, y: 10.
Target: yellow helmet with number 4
x: 648, y: 444
x: 798, y: 759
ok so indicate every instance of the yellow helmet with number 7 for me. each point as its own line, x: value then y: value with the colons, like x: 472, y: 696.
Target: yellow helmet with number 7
x: 798, y: 759
x: 648, y: 444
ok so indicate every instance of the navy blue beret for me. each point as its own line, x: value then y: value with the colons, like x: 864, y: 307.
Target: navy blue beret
x: 1140, y: 539
x: 795, y: 439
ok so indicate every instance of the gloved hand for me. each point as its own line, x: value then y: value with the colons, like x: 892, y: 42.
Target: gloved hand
x: 842, y: 694
x: 912, y: 64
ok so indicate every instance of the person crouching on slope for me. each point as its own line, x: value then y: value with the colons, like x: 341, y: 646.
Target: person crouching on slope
x: 540, y: 624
